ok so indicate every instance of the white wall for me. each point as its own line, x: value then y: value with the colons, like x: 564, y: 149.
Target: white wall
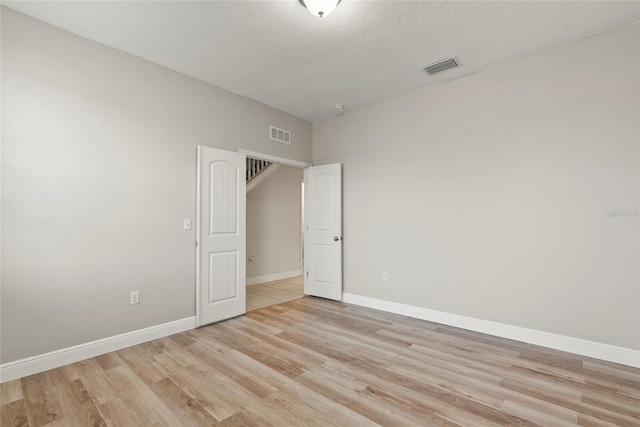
x: 273, y: 223
x: 98, y: 173
x: 487, y: 196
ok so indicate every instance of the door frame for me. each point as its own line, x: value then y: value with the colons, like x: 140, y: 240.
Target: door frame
x: 275, y: 159
x: 256, y: 155
x: 198, y: 219
x: 286, y: 162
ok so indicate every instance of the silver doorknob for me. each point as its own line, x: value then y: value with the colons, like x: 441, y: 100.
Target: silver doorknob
x: 336, y: 238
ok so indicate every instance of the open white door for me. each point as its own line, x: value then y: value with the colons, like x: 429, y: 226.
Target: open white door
x: 220, y: 229
x: 323, y: 211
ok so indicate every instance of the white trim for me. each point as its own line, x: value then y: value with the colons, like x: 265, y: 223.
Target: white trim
x: 305, y: 275
x: 274, y: 159
x: 43, y: 362
x: 198, y: 220
x: 271, y: 277
x: 624, y: 356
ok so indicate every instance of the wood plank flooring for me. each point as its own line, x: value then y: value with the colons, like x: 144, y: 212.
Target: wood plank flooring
x: 276, y: 292
x: 313, y: 362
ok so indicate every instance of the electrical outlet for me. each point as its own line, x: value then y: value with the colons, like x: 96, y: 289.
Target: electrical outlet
x: 385, y: 276
x: 134, y: 298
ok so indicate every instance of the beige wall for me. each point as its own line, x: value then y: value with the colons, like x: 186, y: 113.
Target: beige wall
x: 487, y: 196
x: 98, y: 173
x: 273, y: 223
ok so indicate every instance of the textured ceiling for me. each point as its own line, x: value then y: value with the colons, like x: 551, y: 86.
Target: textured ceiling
x: 279, y: 54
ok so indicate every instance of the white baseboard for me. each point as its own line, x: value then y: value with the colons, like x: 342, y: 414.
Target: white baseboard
x: 33, y: 365
x: 624, y: 356
x: 43, y: 362
x: 272, y: 277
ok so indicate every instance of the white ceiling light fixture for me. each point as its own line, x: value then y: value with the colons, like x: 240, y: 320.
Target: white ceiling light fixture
x: 320, y: 8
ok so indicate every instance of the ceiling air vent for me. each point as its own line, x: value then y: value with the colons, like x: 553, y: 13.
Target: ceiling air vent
x: 279, y: 135
x: 443, y: 65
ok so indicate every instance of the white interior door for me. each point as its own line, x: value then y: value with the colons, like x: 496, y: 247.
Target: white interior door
x: 323, y: 211
x: 220, y: 227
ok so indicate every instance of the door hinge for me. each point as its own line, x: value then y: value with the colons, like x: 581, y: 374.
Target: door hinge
x: 196, y: 243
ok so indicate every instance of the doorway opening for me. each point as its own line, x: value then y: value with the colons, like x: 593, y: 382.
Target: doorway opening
x: 275, y: 257
x: 221, y: 253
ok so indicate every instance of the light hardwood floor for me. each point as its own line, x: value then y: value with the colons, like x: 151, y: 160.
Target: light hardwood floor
x: 270, y: 293
x: 313, y: 362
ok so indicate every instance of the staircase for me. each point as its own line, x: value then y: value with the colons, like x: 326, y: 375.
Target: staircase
x: 258, y: 171
x: 255, y: 167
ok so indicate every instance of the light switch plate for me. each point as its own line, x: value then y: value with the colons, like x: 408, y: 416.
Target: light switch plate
x: 187, y: 224
x: 134, y: 298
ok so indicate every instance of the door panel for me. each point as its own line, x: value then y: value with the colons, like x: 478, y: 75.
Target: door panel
x: 323, y: 202
x: 223, y: 215
x: 323, y: 209
x: 223, y: 276
x: 324, y: 255
x: 220, y: 225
